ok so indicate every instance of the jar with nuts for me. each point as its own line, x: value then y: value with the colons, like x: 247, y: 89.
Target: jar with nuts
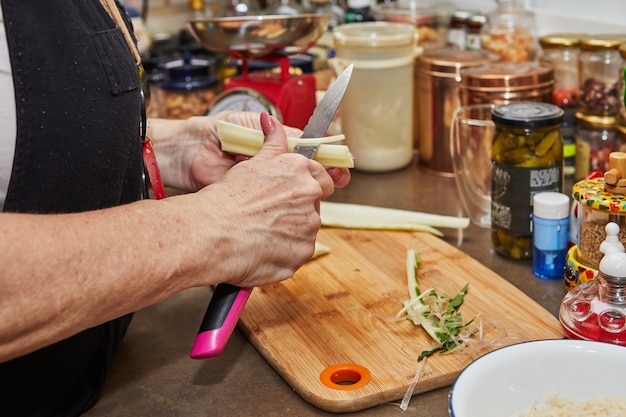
x: 510, y: 32
x: 527, y: 158
x: 186, y: 89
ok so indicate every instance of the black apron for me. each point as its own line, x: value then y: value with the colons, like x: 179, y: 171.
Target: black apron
x: 77, y: 94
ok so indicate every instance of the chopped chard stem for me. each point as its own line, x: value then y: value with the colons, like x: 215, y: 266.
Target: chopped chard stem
x: 435, y: 311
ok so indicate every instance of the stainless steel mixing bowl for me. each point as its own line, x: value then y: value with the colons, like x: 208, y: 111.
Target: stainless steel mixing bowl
x: 260, y: 36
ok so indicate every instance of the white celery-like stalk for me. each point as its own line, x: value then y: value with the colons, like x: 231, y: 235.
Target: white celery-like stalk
x: 242, y: 140
x: 320, y: 249
x: 357, y: 216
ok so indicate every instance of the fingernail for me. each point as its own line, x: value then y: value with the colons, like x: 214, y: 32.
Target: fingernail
x: 335, y: 173
x: 240, y: 158
x: 267, y: 124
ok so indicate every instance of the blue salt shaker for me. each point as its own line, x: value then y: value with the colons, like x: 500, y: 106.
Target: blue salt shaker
x: 550, y: 229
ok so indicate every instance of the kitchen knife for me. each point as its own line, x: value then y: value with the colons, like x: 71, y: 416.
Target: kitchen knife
x: 228, y: 300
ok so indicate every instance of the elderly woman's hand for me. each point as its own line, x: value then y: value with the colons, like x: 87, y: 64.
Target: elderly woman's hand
x: 189, y: 154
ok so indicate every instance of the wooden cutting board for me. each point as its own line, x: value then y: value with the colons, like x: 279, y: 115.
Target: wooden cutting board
x: 339, y: 309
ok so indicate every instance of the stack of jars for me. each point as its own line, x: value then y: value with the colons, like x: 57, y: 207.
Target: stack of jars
x: 600, y: 66
x: 588, y: 87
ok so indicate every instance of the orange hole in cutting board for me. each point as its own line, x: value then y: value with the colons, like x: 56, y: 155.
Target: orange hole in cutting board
x: 346, y: 376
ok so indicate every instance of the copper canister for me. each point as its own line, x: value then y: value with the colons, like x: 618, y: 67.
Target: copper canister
x: 438, y: 76
x: 504, y: 83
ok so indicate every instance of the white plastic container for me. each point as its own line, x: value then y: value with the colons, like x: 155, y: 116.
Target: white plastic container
x: 377, y: 109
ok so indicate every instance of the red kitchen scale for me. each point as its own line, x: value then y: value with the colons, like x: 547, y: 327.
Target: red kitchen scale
x: 287, y: 96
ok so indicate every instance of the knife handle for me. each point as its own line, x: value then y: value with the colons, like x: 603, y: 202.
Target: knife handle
x: 219, y: 321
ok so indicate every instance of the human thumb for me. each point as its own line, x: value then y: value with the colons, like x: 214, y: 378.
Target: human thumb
x: 275, y: 142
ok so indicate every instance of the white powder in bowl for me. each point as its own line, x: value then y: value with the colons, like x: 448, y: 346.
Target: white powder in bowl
x: 560, y: 406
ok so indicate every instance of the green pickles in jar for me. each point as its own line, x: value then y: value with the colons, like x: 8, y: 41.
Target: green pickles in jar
x: 527, y: 158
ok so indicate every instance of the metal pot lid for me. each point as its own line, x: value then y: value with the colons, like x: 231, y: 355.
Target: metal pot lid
x: 508, y: 76
x: 448, y: 62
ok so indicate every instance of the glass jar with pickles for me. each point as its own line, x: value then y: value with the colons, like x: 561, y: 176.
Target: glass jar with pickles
x: 527, y: 158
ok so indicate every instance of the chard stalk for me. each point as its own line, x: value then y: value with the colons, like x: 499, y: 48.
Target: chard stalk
x: 358, y: 216
x: 435, y: 311
x: 242, y: 140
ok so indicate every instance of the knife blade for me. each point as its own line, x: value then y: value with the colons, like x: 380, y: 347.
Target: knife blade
x: 324, y: 113
x: 228, y: 300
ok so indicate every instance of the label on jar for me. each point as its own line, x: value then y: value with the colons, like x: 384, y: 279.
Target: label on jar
x: 473, y: 42
x: 456, y: 37
x: 512, y: 192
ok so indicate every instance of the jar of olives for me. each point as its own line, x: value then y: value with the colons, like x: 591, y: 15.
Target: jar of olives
x: 527, y: 158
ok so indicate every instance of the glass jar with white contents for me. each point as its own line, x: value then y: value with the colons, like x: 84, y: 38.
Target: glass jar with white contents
x: 377, y: 109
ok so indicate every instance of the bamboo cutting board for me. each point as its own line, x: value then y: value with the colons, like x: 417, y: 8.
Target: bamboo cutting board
x: 336, y: 315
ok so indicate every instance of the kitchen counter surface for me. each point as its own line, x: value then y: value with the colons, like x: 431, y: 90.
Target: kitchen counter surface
x: 153, y: 375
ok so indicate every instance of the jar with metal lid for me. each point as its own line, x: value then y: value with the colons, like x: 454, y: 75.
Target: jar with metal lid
x: 357, y: 11
x: 621, y: 133
x: 527, y: 158
x: 622, y: 87
x: 437, y: 77
x: 186, y: 89
x: 596, y: 139
x: 431, y: 19
x: 457, y: 29
x: 475, y: 25
x: 562, y: 51
x: 506, y: 82
x: 511, y: 32
x: 600, y: 67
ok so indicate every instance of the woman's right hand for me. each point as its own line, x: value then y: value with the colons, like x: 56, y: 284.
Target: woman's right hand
x: 267, y: 212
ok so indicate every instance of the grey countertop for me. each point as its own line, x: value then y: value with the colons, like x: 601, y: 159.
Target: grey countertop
x: 154, y: 376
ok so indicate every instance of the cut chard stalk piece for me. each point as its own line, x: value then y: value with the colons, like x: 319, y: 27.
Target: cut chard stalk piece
x: 357, y: 216
x: 435, y: 311
x: 242, y: 140
x: 320, y: 249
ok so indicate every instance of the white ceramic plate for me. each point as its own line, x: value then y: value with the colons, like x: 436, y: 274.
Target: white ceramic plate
x: 510, y: 380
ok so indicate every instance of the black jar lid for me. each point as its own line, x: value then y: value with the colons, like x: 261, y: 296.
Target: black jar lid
x: 188, y: 73
x: 527, y: 114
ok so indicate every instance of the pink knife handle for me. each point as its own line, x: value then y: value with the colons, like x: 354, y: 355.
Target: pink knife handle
x: 219, y: 321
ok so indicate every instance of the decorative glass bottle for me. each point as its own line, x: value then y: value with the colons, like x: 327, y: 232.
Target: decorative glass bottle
x: 597, y: 310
